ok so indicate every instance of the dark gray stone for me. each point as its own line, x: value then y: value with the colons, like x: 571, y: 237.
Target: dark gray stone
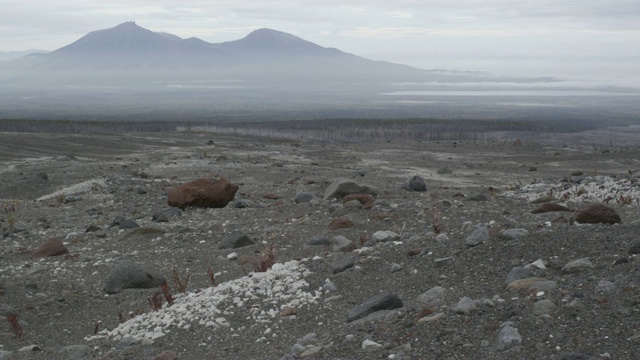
x: 443, y: 171
x: 508, y: 337
x: 166, y: 214
x: 236, y: 240
x: 477, y: 197
x: 635, y: 247
x: 477, y: 237
x: 343, y: 264
x: 304, y: 197
x: 382, y: 301
x: 415, y: 183
x: 42, y: 176
x: 517, y: 273
x: 123, y: 223
x: 321, y: 239
x: 241, y: 204
x: 93, y: 228
x: 129, y: 275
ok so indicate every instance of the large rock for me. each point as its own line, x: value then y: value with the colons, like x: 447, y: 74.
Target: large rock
x: 508, y: 337
x: 549, y: 207
x: 208, y: 193
x: 382, y: 301
x: 343, y: 187
x: 595, y: 214
x: 236, y: 240
x: 129, y: 275
x: 415, y: 183
x: 51, y: 247
x: 477, y: 237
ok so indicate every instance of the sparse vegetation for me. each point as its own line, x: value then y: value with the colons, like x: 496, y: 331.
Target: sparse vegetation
x: 179, y: 284
x: 16, y: 327
x: 267, y: 259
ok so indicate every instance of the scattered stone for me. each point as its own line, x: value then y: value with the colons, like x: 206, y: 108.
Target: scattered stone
x: 366, y: 200
x: 343, y: 264
x: 341, y: 243
x: 517, y: 273
x: 415, y: 183
x: 93, y: 228
x: 343, y: 187
x: 444, y: 171
x: 508, y: 337
x: 544, y: 307
x: 432, y: 318
x: 465, y: 306
x: 384, y: 236
x: 477, y: 197
x: 241, y: 204
x: 340, y: 223
x: 50, y: 247
x: 524, y: 284
x: 635, y: 247
x: 321, y: 240
x: 395, y: 267
x: 304, y: 197
x: 512, y: 234
x: 549, y: 207
x: 141, y: 190
x: 533, y: 168
x: 546, y: 286
x: 271, y: 196
x: 382, y: 301
x: 433, y: 297
x: 166, y: 214
x: 478, y: 236
x: 129, y: 275
x: 236, y: 239
x: 290, y: 311
x: 370, y: 345
x: 605, y: 286
x: 208, y: 193
x: 595, y: 214
x: 442, y: 238
x: 123, y: 223
x: 577, y: 266
x: 442, y: 262
x: 30, y: 348
x: 575, y: 356
x: 42, y: 176
x: 349, y: 207
x: 6, y: 310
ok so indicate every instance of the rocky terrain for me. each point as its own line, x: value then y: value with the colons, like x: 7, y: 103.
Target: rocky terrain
x: 447, y: 250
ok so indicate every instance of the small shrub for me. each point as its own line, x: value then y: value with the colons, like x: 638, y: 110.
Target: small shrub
x: 167, y: 294
x: 178, y: 284
x: 155, y: 301
x: 212, y: 276
x: 16, y: 327
x: 267, y: 260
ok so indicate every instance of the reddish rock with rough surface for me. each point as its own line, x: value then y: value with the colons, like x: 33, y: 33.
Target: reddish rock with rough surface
x: 207, y: 193
x: 51, y: 247
x: 596, y: 214
x: 340, y: 223
x: 366, y: 200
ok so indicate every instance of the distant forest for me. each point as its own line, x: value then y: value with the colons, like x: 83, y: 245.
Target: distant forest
x: 329, y: 129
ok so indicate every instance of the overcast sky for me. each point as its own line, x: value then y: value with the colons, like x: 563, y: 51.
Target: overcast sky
x: 538, y: 37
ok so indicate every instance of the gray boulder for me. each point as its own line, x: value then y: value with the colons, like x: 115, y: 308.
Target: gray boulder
x: 477, y: 237
x: 236, y: 240
x: 304, y: 197
x: 382, y: 301
x: 343, y: 187
x: 415, y: 183
x: 129, y: 275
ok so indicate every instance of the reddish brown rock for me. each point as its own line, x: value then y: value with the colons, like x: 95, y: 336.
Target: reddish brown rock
x: 340, y: 223
x: 288, y: 312
x: 208, y: 193
x: 366, y: 200
x: 51, y: 247
x: 271, y: 196
x: 549, y: 207
x: 596, y: 214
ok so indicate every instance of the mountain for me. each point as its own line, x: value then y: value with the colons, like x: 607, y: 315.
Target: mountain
x: 9, y: 55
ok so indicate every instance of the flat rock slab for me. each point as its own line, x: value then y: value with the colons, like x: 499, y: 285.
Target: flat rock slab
x: 129, y: 275
x: 343, y: 187
x: 382, y: 301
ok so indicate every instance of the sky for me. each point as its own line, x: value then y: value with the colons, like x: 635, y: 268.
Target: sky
x: 594, y: 39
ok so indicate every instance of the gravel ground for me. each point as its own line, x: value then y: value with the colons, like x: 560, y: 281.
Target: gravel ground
x: 54, y: 186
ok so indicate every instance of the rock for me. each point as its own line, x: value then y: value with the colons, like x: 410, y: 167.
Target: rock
x: 50, y: 247
x: 442, y: 238
x: 477, y: 197
x: 93, y: 228
x: 236, y: 239
x: 384, y: 236
x: 343, y: 187
x: 605, y: 286
x: 341, y: 243
x: 465, y: 306
x: 208, y: 193
x: 577, y: 266
x: 304, y: 197
x: 595, y: 214
x: 321, y: 240
x: 478, y: 236
x: 544, y: 307
x: 442, y: 262
x: 366, y: 200
x: 42, y: 176
x: 546, y: 286
x: 129, y: 275
x: 166, y: 214
x: 30, y: 348
x: 524, y: 284
x: 549, y: 207
x: 343, y: 264
x: 512, y: 234
x: 433, y: 297
x: 508, y: 337
x: 75, y: 351
x: 6, y: 310
x: 370, y: 345
x: 123, y: 223
x: 395, y: 267
x: 290, y: 311
x: 340, y: 223
x: 533, y: 168
x: 517, y: 273
x: 241, y: 204
x: 635, y: 247
x: 382, y: 301
x: 349, y: 207
x: 443, y: 171
x: 415, y: 183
